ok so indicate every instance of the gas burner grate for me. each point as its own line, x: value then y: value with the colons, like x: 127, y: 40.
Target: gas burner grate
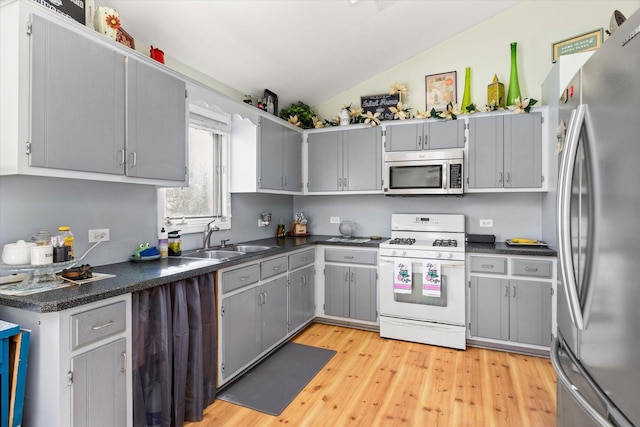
x: 402, y: 241
x: 445, y: 243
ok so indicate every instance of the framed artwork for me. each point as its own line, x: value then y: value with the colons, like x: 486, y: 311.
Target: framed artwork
x: 582, y: 43
x: 271, y: 101
x: 380, y: 104
x: 125, y: 38
x: 440, y: 90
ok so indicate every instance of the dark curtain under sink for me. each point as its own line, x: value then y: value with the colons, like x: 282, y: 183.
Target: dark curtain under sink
x: 174, y: 355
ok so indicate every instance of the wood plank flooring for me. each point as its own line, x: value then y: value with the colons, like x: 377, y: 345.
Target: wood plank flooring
x: 373, y: 381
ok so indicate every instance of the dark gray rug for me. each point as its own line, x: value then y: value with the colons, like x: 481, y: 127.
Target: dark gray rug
x: 276, y: 381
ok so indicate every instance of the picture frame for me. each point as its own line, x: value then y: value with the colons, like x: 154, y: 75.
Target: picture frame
x: 125, y: 38
x: 380, y: 104
x: 581, y: 43
x: 271, y: 98
x: 440, y: 90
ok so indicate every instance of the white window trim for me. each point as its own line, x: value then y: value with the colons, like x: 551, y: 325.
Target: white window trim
x: 197, y: 225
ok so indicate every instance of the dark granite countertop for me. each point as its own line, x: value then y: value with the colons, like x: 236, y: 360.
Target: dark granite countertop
x: 503, y: 248
x: 136, y: 276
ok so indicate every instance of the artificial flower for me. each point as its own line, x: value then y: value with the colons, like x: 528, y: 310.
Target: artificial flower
x: 451, y: 112
x: 522, y: 106
x: 316, y: 122
x: 422, y: 114
x: 371, y: 118
x: 335, y: 121
x: 355, y: 112
x: 471, y: 108
x: 398, y: 88
x: 400, y: 112
x: 113, y: 21
x: 493, y: 106
x: 294, y: 121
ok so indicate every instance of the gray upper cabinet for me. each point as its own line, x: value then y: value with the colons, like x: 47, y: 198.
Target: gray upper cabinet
x: 280, y: 157
x: 345, y: 160
x: 505, y: 151
x: 96, y: 108
x: 78, y: 101
x: 432, y: 135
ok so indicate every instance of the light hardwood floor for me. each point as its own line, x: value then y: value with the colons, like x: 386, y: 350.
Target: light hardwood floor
x: 373, y: 381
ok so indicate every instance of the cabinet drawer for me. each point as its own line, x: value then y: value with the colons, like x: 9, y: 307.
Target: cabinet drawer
x: 481, y: 264
x: 351, y: 257
x: 98, y: 323
x: 530, y: 267
x: 240, y: 277
x: 272, y: 267
x: 302, y: 258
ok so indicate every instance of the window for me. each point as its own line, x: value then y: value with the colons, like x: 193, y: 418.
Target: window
x: 206, y: 198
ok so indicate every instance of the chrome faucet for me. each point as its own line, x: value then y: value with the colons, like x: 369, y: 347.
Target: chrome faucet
x: 223, y: 243
x: 207, y: 234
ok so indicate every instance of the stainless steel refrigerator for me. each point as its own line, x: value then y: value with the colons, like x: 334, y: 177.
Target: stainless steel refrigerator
x: 597, y: 352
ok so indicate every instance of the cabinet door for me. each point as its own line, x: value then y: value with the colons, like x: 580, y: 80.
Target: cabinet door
x: 362, y: 159
x: 156, y: 123
x: 405, y: 137
x: 271, y: 151
x: 77, y: 101
x: 530, y: 316
x: 486, y: 144
x: 98, y: 393
x: 292, y: 160
x: 301, y: 296
x: 240, y: 330
x: 489, y: 308
x: 324, y: 161
x: 336, y: 290
x: 363, y: 294
x: 444, y: 134
x: 523, y: 150
x: 273, y: 312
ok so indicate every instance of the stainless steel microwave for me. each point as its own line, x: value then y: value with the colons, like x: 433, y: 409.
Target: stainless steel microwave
x: 423, y: 172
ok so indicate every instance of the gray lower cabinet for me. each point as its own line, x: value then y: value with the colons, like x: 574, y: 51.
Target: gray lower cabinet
x: 431, y: 135
x: 280, y: 157
x: 95, y: 108
x: 505, y: 151
x: 350, y: 292
x: 272, y: 308
x: 509, y: 308
x: 301, y: 296
x: 98, y: 393
x: 345, y: 160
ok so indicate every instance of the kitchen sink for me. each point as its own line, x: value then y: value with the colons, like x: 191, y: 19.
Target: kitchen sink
x: 213, y: 254
x: 249, y: 248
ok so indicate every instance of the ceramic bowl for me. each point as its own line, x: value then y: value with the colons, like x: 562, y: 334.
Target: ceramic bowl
x: 17, y: 253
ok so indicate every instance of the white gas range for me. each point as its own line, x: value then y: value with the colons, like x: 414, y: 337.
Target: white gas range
x: 422, y: 280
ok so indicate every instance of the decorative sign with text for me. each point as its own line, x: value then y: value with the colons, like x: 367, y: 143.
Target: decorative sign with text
x: 581, y: 43
x: 380, y: 104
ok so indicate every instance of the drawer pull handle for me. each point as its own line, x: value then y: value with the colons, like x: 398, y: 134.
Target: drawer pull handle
x: 276, y: 268
x: 106, y: 325
x: 506, y: 291
x: 348, y: 257
x: 487, y: 265
x: 533, y: 269
x: 243, y: 278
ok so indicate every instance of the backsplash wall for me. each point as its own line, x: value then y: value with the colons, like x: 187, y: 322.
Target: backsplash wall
x: 513, y: 214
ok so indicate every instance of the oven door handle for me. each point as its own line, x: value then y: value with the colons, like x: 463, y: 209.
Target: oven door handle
x: 448, y: 264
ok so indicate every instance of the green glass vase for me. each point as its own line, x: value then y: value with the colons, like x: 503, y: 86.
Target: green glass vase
x: 466, y: 97
x: 514, y: 86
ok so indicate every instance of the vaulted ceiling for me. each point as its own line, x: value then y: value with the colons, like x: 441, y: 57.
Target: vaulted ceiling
x: 309, y: 50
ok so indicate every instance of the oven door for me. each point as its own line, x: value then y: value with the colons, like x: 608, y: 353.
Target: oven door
x: 449, y: 308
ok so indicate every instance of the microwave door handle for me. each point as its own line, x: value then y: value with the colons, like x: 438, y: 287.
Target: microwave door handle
x: 445, y: 175
x: 564, y: 216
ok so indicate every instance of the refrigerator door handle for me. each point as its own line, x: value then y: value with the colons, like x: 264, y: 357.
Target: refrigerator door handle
x: 571, y: 388
x: 564, y: 215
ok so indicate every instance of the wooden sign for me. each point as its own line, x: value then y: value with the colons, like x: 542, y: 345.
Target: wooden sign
x: 380, y: 104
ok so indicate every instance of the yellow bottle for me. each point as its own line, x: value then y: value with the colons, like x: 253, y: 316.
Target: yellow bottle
x: 65, y: 232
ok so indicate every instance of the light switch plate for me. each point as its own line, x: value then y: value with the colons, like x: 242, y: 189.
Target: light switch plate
x: 335, y: 220
x: 486, y: 223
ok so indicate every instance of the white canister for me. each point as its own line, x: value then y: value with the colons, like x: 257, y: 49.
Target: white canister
x: 41, y: 255
x: 17, y: 253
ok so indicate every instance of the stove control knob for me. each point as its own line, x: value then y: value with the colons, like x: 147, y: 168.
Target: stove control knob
x: 404, y: 253
x: 439, y: 255
x: 450, y: 255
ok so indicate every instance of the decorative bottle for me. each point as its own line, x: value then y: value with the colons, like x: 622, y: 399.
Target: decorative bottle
x: 466, y: 98
x: 514, y: 86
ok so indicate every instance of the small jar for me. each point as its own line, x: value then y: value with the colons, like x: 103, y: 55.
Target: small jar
x: 175, y: 243
x: 67, y: 236
x: 42, y: 237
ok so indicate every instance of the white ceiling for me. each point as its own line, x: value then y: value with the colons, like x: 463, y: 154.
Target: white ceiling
x: 309, y: 50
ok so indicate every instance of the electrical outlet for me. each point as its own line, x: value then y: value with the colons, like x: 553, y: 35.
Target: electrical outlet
x: 335, y: 220
x: 97, y: 234
x: 486, y: 223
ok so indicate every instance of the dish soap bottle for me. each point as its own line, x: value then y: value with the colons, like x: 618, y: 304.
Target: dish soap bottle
x: 163, y: 243
x: 175, y: 243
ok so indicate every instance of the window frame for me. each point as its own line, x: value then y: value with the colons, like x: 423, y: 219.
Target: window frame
x: 216, y: 122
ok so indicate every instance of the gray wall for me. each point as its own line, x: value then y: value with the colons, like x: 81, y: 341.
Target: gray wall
x: 513, y: 214
x: 29, y: 203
